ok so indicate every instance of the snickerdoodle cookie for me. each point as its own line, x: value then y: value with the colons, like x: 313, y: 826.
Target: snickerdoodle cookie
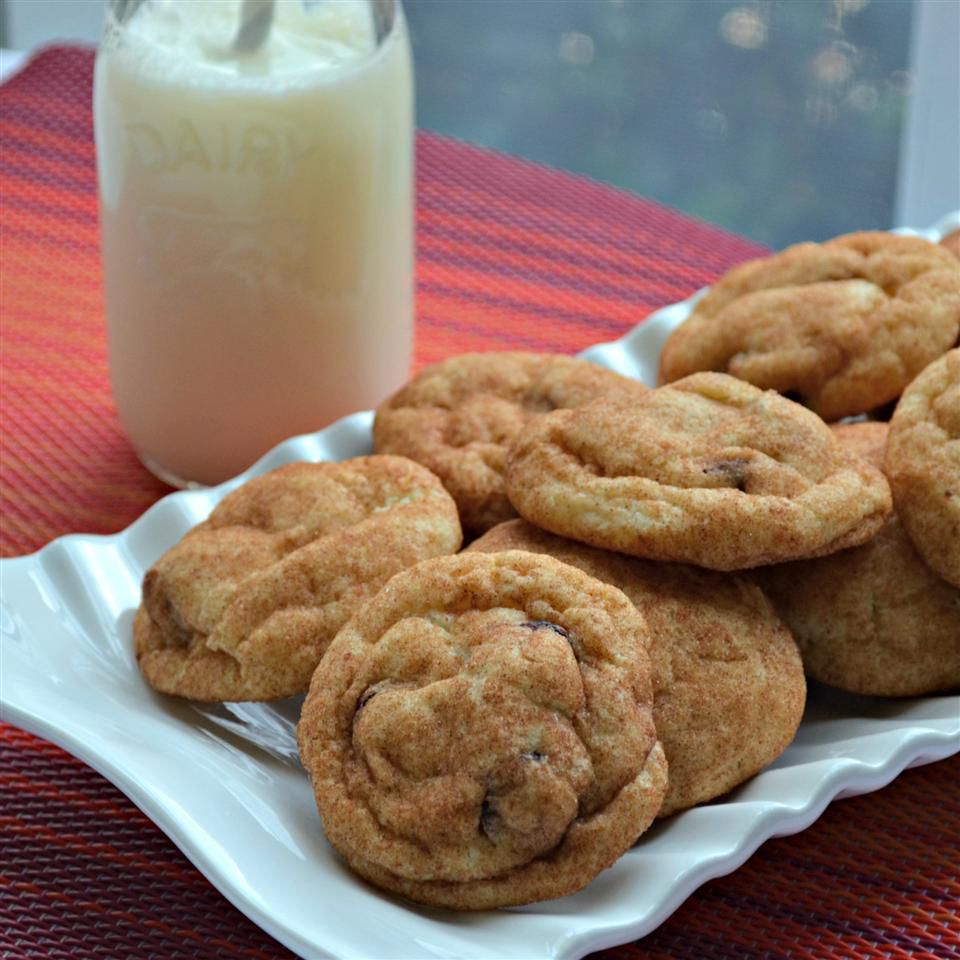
x: 481, y: 733
x: 874, y: 619
x: 923, y: 464
x: 709, y: 470
x: 841, y: 326
x: 728, y: 683
x: 243, y: 607
x: 952, y: 243
x: 458, y: 418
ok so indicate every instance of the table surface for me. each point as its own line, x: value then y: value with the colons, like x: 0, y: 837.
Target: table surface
x: 510, y: 255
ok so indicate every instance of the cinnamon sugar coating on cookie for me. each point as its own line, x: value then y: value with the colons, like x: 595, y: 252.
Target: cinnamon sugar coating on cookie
x: 728, y: 683
x: 923, y: 464
x: 709, y: 471
x: 874, y: 619
x: 951, y: 242
x: 459, y: 416
x: 245, y: 605
x: 841, y: 326
x: 480, y: 734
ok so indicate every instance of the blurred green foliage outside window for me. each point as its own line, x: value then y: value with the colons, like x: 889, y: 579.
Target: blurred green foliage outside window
x: 779, y: 119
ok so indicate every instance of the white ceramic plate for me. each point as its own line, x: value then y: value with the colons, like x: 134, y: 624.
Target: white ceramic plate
x: 224, y: 782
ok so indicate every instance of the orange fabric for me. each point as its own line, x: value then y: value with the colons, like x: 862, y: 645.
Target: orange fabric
x: 509, y: 255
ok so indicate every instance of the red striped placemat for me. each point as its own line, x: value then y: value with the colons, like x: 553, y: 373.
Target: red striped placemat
x: 510, y: 255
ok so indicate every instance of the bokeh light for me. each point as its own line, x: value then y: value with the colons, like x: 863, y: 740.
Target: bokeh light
x: 744, y: 27
x: 576, y: 48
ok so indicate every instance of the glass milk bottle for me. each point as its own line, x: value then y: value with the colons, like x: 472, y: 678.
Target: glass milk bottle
x: 256, y: 203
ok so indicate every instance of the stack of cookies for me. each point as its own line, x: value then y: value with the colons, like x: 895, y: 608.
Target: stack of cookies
x: 855, y: 328
x: 651, y: 572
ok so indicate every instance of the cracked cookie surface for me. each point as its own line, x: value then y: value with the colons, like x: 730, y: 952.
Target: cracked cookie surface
x: 243, y: 607
x: 923, y: 464
x: 709, y: 471
x: 728, y: 684
x: 841, y: 326
x: 459, y: 416
x: 875, y: 619
x: 481, y: 735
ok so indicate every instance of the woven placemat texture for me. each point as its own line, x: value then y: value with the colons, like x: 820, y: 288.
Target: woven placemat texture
x: 511, y: 255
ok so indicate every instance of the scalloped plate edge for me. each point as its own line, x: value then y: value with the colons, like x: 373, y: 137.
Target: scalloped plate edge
x: 169, y: 517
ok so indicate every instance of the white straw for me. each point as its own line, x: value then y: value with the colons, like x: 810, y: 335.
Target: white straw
x: 256, y: 17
